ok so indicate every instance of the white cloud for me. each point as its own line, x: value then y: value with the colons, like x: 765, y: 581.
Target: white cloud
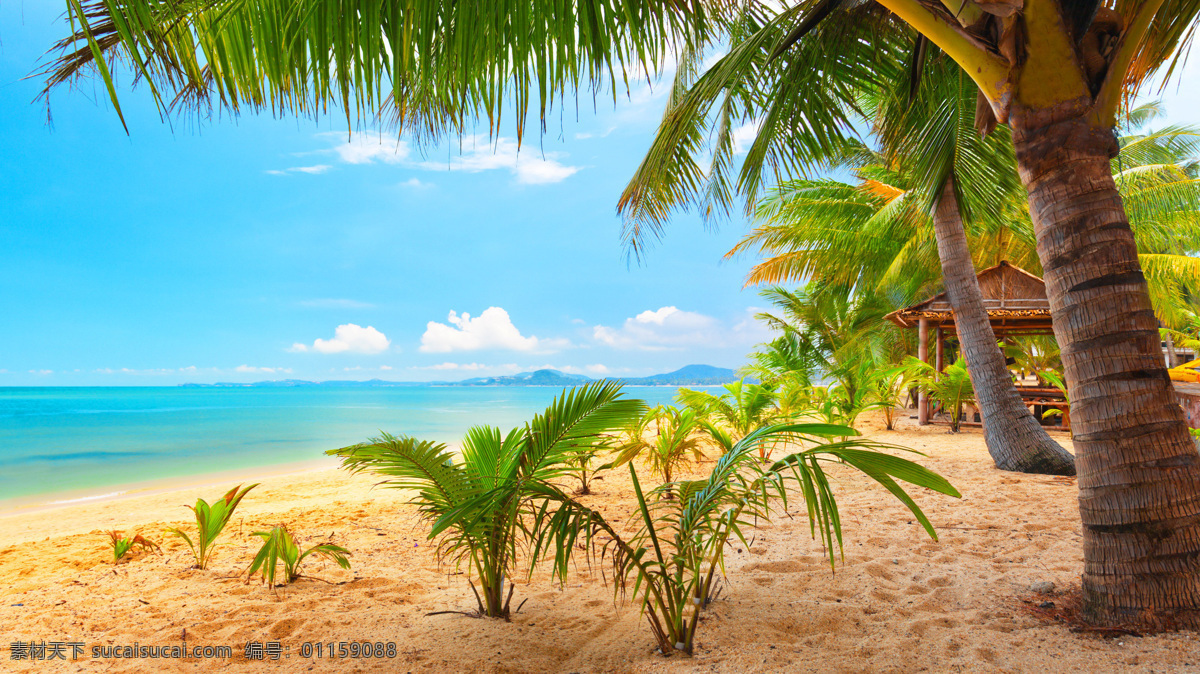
x: 665, y: 328
x: 493, y: 329
x: 594, y: 370
x: 455, y: 366
x: 41, y: 372
x: 602, y: 134
x: 360, y: 368
x: 369, y: 147
x: 528, y: 168
x: 744, y: 135
x: 249, y: 369
x: 349, y: 338
x: 311, y: 170
x: 751, y: 331
x: 478, y: 154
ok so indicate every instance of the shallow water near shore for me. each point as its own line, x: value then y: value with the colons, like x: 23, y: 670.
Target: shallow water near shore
x: 66, y: 444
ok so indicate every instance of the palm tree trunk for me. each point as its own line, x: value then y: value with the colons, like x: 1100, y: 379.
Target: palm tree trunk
x: 1139, y: 471
x: 1014, y: 438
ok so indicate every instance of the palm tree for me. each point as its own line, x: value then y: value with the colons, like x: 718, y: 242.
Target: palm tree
x: 728, y: 417
x: 962, y: 173
x: 500, y: 478
x: 875, y: 234
x: 1056, y: 72
x: 821, y: 235
x: 674, y: 445
x: 951, y: 387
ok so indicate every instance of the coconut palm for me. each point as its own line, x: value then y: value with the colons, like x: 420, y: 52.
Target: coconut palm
x: 728, y: 417
x: 1056, y: 72
x: 678, y: 548
x: 874, y: 234
x: 878, y: 234
x: 497, y: 480
x: 951, y: 387
x: 674, y: 445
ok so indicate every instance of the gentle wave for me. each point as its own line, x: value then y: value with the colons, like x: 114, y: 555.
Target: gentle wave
x: 81, y: 499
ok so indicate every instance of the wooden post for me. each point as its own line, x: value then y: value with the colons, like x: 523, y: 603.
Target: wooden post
x: 939, y: 361
x: 923, y: 354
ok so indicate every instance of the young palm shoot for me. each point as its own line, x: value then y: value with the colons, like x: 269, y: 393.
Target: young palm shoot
x: 673, y: 559
x: 673, y: 446
x: 951, y: 387
x: 210, y: 522
x: 731, y: 415
x: 123, y: 545
x: 279, y: 548
x: 483, y: 503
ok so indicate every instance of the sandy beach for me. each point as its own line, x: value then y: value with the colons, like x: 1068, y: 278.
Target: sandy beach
x: 898, y: 601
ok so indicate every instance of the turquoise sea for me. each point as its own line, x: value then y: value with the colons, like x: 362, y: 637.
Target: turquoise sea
x: 66, y: 443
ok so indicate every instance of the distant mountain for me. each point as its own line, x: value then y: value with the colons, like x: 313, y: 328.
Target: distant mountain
x: 688, y: 375
x: 301, y: 383
x: 691, y: 375
x: 535, y: 378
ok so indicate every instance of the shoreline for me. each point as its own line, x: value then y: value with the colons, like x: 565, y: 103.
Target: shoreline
x: 963, y: 601
x: 43, y: 503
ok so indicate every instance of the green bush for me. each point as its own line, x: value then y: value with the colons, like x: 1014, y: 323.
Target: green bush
x: 674, y: 444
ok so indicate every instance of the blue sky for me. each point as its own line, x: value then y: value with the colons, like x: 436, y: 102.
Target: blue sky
x: 258, y: 248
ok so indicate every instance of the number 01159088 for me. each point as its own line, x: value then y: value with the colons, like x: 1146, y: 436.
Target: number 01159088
x: 347, y: 649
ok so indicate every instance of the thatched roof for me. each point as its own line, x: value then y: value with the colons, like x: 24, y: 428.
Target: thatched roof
x: 1015, y: 301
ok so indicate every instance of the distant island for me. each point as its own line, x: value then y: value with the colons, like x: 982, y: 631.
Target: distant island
x: 689, y: 375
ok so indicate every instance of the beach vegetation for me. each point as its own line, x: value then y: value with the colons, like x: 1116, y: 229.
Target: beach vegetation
x: 581, y: 462
x: 677, y: 553
x: 1033, y: 355
x: 951, y: 387
x: 483, y: 501
x: 1058, y: 75
x: 728, y: 417
x: 279, y: 549
x: 210, y: 522
x: 123, y: 545
x: 674, y: 444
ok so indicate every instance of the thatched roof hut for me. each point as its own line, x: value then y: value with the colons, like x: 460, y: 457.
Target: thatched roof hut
x: 1015, y: 301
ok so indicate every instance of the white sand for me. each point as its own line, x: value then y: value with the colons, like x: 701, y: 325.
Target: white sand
x: 899, y: 602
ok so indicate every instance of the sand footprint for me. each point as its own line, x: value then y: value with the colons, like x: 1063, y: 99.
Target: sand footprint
x: 285, y: 628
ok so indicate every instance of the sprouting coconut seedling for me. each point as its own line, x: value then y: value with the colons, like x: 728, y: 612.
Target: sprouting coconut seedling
x: 673, y: 560
x: 279, y: 547
x: 483, y: 502
x: 210, y: 521
x: 123, y: 545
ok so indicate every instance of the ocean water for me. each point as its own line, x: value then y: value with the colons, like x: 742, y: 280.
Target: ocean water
x: 57, y: 443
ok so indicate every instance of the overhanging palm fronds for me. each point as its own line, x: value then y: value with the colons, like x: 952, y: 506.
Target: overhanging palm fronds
x: 437, y: 65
